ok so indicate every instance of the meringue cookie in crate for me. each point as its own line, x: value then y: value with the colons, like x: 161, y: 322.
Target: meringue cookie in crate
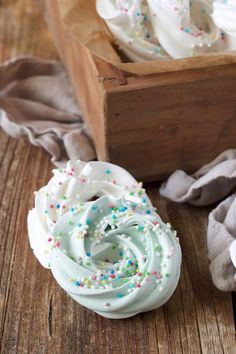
x: 116, y: 257
x: 224, y: 15
x: 154, y: 30
x: 155, y: 116
x: 129, y: 22
x: 69, y: 189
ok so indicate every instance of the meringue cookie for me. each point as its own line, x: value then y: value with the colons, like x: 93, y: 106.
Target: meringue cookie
x: 185, y: 28
x: 129, y: 22
x: 224, y: 16
x: 116, y: 257
x: 151, y: 29
x: 71, y: 187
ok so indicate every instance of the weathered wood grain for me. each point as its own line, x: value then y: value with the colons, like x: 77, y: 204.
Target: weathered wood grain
x: 36, y: 316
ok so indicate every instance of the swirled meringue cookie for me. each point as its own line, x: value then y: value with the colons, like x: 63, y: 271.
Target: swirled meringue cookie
x: 116, y: 257
x: 185, y: 28
x: 151, y: 29
x: 224, y: 16
x: 129, y: 22
x: 69, y: 189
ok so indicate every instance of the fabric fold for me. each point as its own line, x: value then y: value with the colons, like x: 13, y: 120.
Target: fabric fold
x: 37, y: 103
x: 208, y: 185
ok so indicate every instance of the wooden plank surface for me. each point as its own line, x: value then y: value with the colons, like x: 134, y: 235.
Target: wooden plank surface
x: 36, y: 316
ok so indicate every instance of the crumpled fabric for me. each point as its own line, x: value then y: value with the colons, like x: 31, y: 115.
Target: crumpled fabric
x: 37, y: 103
x: 210, y: 184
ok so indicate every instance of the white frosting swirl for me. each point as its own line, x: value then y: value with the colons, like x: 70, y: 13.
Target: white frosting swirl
x: 116, y: 257
x: 224, y: 15
x: 78, y: 183
x: 151, y: 29
x: 185, y: 28
x: 129, y: 22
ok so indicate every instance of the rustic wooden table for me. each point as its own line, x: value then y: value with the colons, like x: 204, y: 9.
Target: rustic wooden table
x: 36, y: 315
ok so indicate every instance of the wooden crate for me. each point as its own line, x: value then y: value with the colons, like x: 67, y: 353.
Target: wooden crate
x: 152, y: 124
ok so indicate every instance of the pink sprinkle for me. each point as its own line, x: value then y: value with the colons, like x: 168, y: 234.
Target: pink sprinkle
x: 57, y: 244
x: 154, y: 273
x: 49, y: 239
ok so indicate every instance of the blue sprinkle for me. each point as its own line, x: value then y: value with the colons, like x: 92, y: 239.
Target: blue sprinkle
x: 112, y: 271
x: 123, y: 209
x: 77, y: 283
x: 108, y: 172
x: 58, y: 206
x: 148, y: 211
x: 119, y: 295
x: 144, y: 200
x: 79, y: 224
x: 88, y: 222
x: 88, y: 254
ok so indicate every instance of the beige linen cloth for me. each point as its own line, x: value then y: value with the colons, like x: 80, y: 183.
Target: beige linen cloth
x: 208, y: 185
x: 37, y: 103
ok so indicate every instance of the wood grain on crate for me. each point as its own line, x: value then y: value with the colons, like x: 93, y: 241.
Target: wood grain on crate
x: 36, y: 316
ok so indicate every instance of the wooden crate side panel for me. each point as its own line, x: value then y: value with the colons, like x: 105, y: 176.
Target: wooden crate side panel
x: 84, y: 78
x: 155, y: 130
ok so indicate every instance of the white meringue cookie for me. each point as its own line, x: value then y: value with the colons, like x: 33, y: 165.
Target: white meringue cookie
x: 116, y: 257
x: 71, y: 187
x: 161, y: 29
x: 128, y: 21
x: 224, y: 16
x: 185, y: 28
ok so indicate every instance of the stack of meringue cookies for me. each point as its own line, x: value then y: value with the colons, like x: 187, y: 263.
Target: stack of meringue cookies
x: 94, y: 226
x: 165, y: 29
